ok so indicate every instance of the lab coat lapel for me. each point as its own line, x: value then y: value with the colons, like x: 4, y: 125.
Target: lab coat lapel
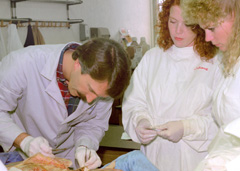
x: 53, y: 91
x: 80, y: 111
x: 49, y: 74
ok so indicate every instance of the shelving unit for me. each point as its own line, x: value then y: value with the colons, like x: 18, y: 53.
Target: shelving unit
x: 65, y: 2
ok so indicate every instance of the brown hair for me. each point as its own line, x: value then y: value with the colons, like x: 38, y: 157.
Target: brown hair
x: 205, y: 49
x: 105, y: 59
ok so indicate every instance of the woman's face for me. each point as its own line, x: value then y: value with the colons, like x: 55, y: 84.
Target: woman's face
x: 219, y: 34
x: 181, y: 35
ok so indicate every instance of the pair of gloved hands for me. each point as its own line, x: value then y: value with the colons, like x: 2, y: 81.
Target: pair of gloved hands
x: 85, y: 156
x: 172, y: 131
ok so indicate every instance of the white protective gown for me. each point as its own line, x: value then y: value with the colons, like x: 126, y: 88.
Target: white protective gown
x: 169, y: 86
x: 28, y: 84
x: 224, y: 150
x: 226, y: 99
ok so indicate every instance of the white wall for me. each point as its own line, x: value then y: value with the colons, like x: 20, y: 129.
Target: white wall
x: 134, y: 15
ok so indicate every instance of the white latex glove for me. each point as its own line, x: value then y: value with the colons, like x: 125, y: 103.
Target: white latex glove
x: 87, y: 157
x: 145, y: 132
x: 32, y: 146
x: 172, y: 131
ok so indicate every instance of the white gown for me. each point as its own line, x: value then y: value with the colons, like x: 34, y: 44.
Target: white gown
x: 224, y: 151
x: 169, y: 86
x: 226, y: 99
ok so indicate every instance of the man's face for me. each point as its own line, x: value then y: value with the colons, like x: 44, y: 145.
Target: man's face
x: 84, y: 87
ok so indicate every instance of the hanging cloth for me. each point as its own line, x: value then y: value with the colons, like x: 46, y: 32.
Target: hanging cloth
x: 29, y: 40
x: 14, y: 42
x: 3, y: 50
x: 37, y: 36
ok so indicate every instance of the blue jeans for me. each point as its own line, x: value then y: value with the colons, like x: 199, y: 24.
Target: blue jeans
x: 10, y: 157
x: 134, y: 161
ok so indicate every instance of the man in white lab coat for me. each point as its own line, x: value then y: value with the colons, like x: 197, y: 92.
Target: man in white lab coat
x: 57, y: 99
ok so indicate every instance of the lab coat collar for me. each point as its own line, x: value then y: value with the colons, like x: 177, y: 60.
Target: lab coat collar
x: 54, y: 55
x: 50, y: 69
x: 185, y: 53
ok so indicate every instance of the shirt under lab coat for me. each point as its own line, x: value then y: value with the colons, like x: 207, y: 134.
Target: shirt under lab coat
x: 169, y: 86
x: 28, y: 84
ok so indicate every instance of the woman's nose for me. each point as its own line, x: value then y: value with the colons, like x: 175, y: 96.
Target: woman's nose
x: 179, y: 28
x: 208, y: 36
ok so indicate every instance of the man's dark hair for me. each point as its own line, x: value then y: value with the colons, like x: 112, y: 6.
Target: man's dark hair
x: 105, y: 59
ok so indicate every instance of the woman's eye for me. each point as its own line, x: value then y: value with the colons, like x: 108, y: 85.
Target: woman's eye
x: 211, y: 29
x: 171, y: 21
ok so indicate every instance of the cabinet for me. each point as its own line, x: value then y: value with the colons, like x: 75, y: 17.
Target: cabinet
x: 65, y: 2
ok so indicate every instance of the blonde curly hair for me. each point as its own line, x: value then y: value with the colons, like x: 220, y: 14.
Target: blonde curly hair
x: 205, y: 49
x: 214, y: 12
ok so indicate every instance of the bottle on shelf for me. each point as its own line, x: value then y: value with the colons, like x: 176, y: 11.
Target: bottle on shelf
x: 145, y: 47
x: 137, y: 55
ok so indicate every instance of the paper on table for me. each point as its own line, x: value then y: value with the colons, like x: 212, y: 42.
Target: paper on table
x: 125, y: 136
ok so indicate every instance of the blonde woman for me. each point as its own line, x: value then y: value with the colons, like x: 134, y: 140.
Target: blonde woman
x: 221, y: 21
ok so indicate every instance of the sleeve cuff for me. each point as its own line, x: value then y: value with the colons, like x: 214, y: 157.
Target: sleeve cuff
x: 188, y: 126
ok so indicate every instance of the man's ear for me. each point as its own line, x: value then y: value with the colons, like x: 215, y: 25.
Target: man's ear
x: 77, y: 65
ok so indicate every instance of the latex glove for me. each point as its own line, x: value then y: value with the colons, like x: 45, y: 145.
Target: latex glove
x: 145, y: 132
x: 32, y: 146
x: 87, y: 157
x: 172, y: 131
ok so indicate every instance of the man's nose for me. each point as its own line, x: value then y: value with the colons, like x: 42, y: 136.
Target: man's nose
x: 91, y: 97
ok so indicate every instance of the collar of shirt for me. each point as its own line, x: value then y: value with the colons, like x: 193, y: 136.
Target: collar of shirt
x: 70, y: 101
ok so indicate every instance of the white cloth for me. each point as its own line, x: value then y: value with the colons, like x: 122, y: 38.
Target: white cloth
x: 14, y: 42
x: 3, y: 51
x: 169, y: 86
x: 2, y: 167
x: 233, y: 128
x: 222, y: 160
x: 28, y: 83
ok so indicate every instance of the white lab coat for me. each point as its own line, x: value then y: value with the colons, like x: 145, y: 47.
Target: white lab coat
x: 28, y: 83
x: 226, y: 99
x: 226, y: 110
x: 169, y: 86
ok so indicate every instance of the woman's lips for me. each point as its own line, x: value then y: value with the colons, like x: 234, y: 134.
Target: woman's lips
x: 178, y: 38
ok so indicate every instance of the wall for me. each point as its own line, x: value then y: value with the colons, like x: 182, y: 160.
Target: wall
x: 134, y: 15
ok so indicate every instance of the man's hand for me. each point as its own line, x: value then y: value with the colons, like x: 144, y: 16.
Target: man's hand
x: 172, y: 131
x: 145, y: 132
x: 31, y: 146
x: 87, y: 157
